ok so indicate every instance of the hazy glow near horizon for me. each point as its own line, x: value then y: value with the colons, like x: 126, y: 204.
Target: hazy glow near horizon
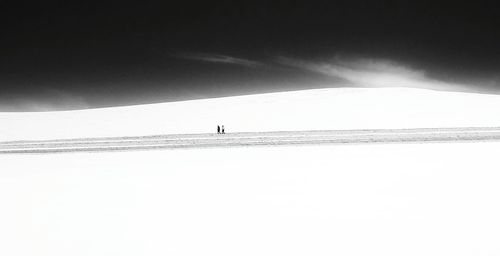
x: 375, y: 73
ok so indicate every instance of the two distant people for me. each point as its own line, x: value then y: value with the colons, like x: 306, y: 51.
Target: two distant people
x: 220, y: 129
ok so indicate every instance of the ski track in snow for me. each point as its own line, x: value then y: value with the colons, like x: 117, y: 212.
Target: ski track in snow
x: 206, y: 140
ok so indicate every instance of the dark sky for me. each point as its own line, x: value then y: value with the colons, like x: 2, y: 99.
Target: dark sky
x: 61, y: 55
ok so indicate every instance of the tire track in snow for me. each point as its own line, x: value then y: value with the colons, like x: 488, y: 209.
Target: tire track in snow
x: 176, y: 141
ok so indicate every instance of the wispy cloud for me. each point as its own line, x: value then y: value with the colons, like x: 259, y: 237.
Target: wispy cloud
x: 371, y: 73
x: 218, y: 58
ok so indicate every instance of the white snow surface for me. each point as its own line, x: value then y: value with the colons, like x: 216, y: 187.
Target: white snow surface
x: 321, y: 109
x: 393, y: 199
x: 385, y: 199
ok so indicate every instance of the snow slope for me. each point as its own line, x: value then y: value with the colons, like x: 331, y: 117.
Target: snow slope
x: 388, y: 200
x: 322, y: 109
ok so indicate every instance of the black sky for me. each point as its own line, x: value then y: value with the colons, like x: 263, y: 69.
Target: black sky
x: 121, y: 53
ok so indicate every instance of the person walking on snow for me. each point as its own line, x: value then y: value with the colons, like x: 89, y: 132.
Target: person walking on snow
x: 218, y: 129
x: 223, y: 132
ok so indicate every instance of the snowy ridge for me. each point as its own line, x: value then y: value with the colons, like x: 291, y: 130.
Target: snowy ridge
x: 320, y: 109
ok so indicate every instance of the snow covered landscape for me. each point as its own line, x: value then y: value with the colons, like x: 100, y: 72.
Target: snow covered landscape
x: 254, y: 128
x: 320, y: 109
x: 330, y: 199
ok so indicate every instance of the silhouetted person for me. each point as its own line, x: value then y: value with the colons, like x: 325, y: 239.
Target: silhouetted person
x: 218, y: 129
x: 223, y: 132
